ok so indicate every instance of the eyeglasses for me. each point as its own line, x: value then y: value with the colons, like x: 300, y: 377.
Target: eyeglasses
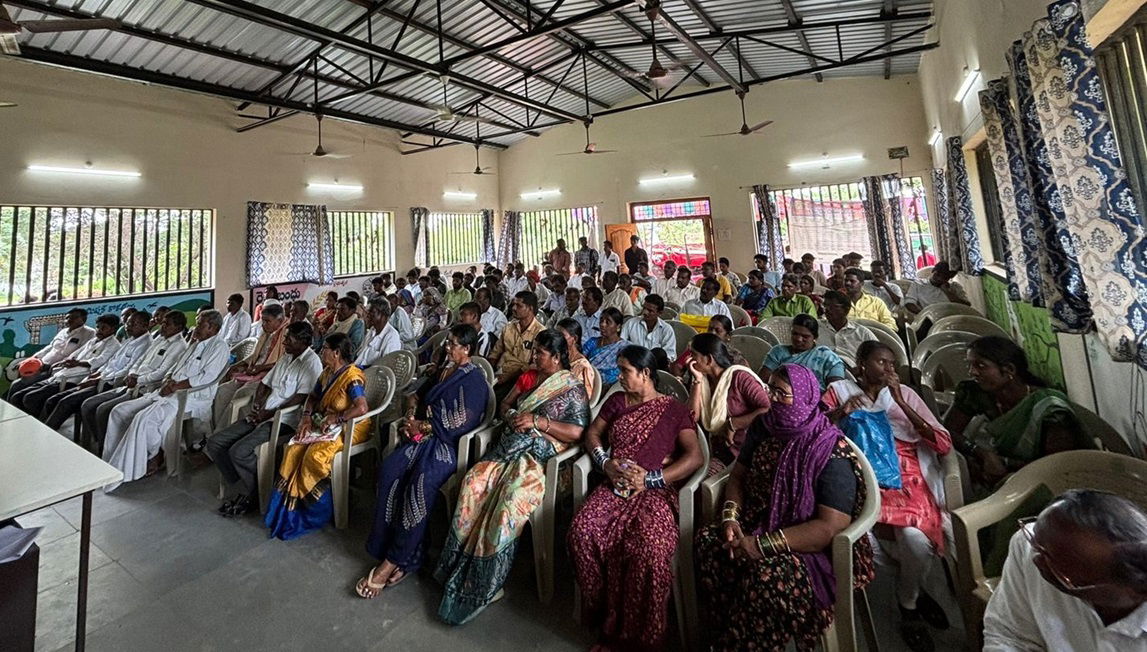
x: 1063, y: 580
x: 777, y: 392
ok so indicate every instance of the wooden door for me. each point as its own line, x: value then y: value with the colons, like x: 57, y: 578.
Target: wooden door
x: 619, y: 235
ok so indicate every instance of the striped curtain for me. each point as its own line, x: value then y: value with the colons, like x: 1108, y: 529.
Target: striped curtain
x: 488, y: 252
x: 887, y: 233
x: 288, y: 243
x: 510, y: 242
x: 947, y: 235
x: 419, y: 222
x: 769, y: 228
x: 960, y: 206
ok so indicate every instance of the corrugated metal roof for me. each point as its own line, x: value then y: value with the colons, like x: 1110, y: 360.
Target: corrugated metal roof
x: 201, y: 42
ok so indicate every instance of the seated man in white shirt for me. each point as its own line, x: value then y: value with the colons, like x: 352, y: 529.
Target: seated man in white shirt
x: 288, y: 384
x: 557, y: 296
x: 243, y: 377
x: 661, y: 286
x: 400, y: 320
x: 136, y: 428
x: 650, y: 330
x: 590, y: 315
x: 381, y: 338
x: 89, y: 357
x: 879, y: 287
x: 570, y: 307
x: 845, y: 335
x: 517, y: 282
x: 493, y: 320
x: 1075, y: 579
x: 471, y: 314
x: 74, y: 334
x: 609, y: 260
x: 614, y: 296
x: 642, y: 278
x: 236, y: 323
x: 684, y: 291
x: 707, y: 305
x: 938, y: 289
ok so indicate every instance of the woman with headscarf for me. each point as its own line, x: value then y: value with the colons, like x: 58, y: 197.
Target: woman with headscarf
x: 765, y: 574
x: 348, y: 323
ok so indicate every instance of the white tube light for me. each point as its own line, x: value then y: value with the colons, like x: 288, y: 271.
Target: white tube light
x: 349, y: 187
x: 455, y: 194
x: 541, y: 194
x: 91, y: 171
x: 676, y: 178
x: 826, y: 162
x: 970, y: 78
x: 936, y: 136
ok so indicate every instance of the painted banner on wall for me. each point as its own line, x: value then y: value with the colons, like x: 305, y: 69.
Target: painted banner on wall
x: 312, y: 292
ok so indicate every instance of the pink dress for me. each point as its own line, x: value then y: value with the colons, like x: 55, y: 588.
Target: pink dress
x: 745, y: 395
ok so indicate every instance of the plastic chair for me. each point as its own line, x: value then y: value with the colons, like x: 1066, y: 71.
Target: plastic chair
x: 1106, y: 437
x: 780, y: 327
x: 841, y: 635
x: 595, y: 391
x: 924, y: 273
x: 172, y: 439
x: 669, y: 313
x: 266, y: 454
x: 684, y: 580
x: 948, y: 364
x: 757, y: 331
x: 935, y: 341
x: 674, y: 306
x: 1120, y: 474
x: 380, y: 391
x: 403, y: 364
x: 244, y: 349
x: 938, y: 311
x: 486, y: 367
x: 683, y: 333
x: 431, y: 344
x: 903, y: 284
x: 969, y: 323
x: 753, y: 348
x: 878, y: 326
x: 889, y: 338
x: 670, y: 385
x: 740, y: 317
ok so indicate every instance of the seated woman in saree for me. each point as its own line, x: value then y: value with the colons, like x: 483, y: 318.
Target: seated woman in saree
x: 821, y: 360
x: 410, y: 477
x: 603, y: 351
x: 1005, y: 417
x: 432, y: 310
x: 501, y: 491
x: 302, y: 499
x: 765, y: 576
x: 725, y: 396
x: 910, y: 531
x: 579, y: 364
x: 722, y: 327
x: 754, y: 295
x: 623, y: 539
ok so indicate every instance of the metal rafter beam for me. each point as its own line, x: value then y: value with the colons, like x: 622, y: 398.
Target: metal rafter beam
x: 795, y: 21
x: 284, y: 22
x: 637, y: 29
x: 889, y: 9
x: 713, y: 27
x: 502, y: 14
x: 148, y: 76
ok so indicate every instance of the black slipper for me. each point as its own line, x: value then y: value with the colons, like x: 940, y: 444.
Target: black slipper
x: 931, y: 611
x: 916, y: 636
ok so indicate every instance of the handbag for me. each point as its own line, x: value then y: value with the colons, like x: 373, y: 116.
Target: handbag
x: 872, y: 433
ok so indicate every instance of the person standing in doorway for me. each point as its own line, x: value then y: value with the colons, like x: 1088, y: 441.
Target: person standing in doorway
x: 586, y: 257
x: 635, y: 255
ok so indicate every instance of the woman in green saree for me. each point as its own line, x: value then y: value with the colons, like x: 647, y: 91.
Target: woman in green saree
x: 501, y: 491
x: 1005, y: 417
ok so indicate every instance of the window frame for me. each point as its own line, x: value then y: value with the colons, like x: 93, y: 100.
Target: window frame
x: 457, y: 239
x: 381, y: 260
x: 551, y: 235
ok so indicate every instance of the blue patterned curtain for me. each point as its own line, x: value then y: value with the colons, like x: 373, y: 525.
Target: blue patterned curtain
x: 947, y: 233
x: 1101, y: 216
x: 488, y: 252
x: 769, y: 228
x: 887, y: 234
x: 960, y: 204
x: 894, y: 189
x: 876, y: 217
x: 419, y: 222
x: 288, y: 243
x: 509, y: 243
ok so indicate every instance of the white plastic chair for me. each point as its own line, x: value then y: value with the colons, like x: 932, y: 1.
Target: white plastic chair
x: 903, y: 284
x: 943, y: 370
x: 669, y: 313
x: 780, y: 327
x: 674, y: 306
x: 935, y: 341
x: 757, y: 331
x: 924, y: 273
x: 595, y: 391
x: 432, y: 344
x: 486, y: 367
x: 683, y: 333
x: 379, y: 393
x: 889, y: 338
x: 753, y: 348
x: 740, y: 317
x: 938, y: 311
x: 403, y: 364
x: 670, y: 385
x: 970, y: 324
x: 172, y: 439
x: 684, y: 580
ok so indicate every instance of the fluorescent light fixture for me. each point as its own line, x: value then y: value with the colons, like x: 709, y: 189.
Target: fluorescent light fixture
x: 826, y: 161
x: 92, y: 171
x: 349, y: 187
x: 457, y: 194
x: 936, y: 136
x: 676, y: 178
x: 541, y: 194
x: 970, y: 78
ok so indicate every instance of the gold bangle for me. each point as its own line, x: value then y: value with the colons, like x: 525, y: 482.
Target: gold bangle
x: 784, y: 541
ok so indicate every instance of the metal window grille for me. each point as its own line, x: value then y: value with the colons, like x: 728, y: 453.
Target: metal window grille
x: 69, y: 253
x: 363, y: 241
x: 1123, y: 68
x: 540, y: 231
x: 454, y: 239
x: 990, y: 194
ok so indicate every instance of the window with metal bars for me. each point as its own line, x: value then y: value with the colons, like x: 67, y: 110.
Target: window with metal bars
x: 363, y: 241
x: 70, y: 253
x: 540, y: 231
x: 454, y: 239
x: 990, y: 194
x: 1123, y: 68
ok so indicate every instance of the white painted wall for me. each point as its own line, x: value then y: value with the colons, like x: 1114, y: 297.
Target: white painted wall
x: 189, y: 154
x: 843, y: 116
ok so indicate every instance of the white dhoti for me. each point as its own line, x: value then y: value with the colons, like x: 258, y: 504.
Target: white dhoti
x: 136, y: 430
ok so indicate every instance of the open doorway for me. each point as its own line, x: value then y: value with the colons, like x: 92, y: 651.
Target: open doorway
x: 680, y: 230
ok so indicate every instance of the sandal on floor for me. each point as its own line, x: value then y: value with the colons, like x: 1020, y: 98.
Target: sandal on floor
x: 390, y: 581
x: 364, y: 584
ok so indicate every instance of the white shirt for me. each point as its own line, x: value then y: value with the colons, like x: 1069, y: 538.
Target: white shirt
x: 661, y: 286
x: 555, y: 302
x: 1026, y: 613
x: 885, y: 293
x: 609, y: 262
x: 560, y: 314
x: 493, y: 321
x: 129, y: 353
x: 924, y: 294
x: 516, y: 285
x: 375, y: 345
x: 64, y: 344
x: 159, y: 358
x: 590, y: 324
x: 201, y: 365
x: 848, y: 338
x: 236, y: 327
x: 619, y: 299
x: 661, y: 337
x: 681, y: 296
x: 95, y: 352
x: 714, y: 307
x: 400, y: 320
x: 541, y: 292
x: 291, y: 376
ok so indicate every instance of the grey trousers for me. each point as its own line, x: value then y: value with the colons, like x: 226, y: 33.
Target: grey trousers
x: 233, y: 450
x: 95, y: 412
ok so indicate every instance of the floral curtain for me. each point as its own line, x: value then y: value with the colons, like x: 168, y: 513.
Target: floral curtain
x: 887, y: 233
x: 960, y: 207
x: 509, y: 243
x: 419, y: 222
x: 288, y: 243
x: 900, y: 240
x: 946, y: 231
x: 769, y: 228
x: 876, y: 216
x: 488, y: 252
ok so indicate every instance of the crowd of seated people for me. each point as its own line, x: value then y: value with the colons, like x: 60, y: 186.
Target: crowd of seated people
x: 778, y: 432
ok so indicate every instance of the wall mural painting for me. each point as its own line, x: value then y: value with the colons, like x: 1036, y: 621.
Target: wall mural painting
x: 23, y: 331
x: 1032, y: 326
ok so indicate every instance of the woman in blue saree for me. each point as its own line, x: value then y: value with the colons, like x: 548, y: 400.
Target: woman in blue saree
x: 602, y: 351
x: 410, y: 477
x: 500, y: 492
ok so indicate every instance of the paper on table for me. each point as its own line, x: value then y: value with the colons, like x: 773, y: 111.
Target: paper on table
x: 14, y: 542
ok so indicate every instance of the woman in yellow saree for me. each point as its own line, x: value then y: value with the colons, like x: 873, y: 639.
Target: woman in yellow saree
x: 302, y: 499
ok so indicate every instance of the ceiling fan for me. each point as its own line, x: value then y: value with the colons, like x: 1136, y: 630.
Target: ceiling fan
x: 10, y: 28
x: 658, y: 73
x: 590, y: 148
x: 745, y: 129
x: 320, y: 151
x: 447, y: 114
x: 478, y: 169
